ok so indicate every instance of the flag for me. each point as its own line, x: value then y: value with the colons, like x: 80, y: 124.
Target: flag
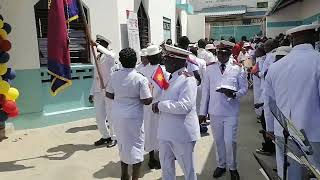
x: 158, y: 77
x: 71, y: 10
x: 58, y: 45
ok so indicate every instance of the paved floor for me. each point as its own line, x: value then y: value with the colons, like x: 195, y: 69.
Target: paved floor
x: 65, y: 152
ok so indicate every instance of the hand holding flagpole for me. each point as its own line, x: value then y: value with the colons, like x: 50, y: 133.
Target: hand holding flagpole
x: 89, y: 39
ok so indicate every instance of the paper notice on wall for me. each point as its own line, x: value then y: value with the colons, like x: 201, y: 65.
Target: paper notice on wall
x: 133, y: 32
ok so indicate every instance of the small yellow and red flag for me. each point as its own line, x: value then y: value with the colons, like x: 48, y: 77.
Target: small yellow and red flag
x: 159, y: 78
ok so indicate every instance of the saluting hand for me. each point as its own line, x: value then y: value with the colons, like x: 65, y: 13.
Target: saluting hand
x: 155, y: 108
x: 93, y: 43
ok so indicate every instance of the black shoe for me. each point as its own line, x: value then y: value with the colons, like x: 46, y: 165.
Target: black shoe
x: 154, y: 164
x: 112, y: 143
x: 264, y: 152
x: 101, y: 141
x: 219, y: 172
x: 234, y: 175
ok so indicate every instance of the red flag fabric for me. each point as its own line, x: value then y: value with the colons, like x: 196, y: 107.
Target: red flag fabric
x: 58, y: 46
x: 158, y: 77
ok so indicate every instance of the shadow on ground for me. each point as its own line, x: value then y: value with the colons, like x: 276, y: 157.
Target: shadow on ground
x: 70, y: 149
x: 12, y: 166
x: 112, y: 169
x: 84, y: 128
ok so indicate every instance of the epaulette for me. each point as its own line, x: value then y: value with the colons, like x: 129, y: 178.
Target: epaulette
x: 209, y: 64
x: 185, y: 73
x: 140, y: 73
x: 237, y: 63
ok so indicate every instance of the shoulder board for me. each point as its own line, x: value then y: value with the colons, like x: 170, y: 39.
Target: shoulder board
x: 185, y: 73
x: 140, y: 73
x: 237, y: 63
x: 209, y: 64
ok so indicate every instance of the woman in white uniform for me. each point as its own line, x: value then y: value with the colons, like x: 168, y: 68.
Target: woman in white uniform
x: 129, y: 91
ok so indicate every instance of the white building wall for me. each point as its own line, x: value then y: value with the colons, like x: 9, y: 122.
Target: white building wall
x: 309, y: 8
x: 184, y: 23
x: 104, y: 20
x: 196, y: 27
x: 20, y: 15
x: 157, y: 10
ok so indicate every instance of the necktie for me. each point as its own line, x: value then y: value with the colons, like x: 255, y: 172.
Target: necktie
x: 170, y: 76
x: 222, y: 68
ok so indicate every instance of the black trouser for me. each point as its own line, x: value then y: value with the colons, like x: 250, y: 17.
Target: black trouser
x: 267, y: 145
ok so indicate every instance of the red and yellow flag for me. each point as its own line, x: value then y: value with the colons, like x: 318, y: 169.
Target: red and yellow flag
x: 159, y: 78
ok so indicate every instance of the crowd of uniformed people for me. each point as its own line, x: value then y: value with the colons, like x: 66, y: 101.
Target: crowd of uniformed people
x: 162, y: 104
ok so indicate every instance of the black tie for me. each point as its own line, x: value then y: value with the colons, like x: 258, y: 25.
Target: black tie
x: 223, y: 67
x: 170, y: 76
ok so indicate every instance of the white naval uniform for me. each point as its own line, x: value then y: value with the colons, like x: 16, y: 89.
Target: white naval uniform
x: 257, y: 91
x: 206, y: 55
x: 129, y: 87
x: 178, y: 126
x: 151, y: 120
x: 201, y: 68
x: 294, y: 83
x: 224, y: 113
x: 106, y: 63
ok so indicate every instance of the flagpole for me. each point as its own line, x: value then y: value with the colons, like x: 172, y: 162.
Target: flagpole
x: 88, y: 36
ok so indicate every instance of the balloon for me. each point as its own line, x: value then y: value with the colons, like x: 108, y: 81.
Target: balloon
x: 4, y: 87
x: 14, y: 113
x: 3, y: 69
x: 3, y: 34
x: 7, y: 28
x: 1, y: 24
x: 9, y: 106
x: 3, y: 116
x: 2, y: 99
x: 9, y: 75
x: 5, y: 45
x: 12, y: 94
x: 4, y: 57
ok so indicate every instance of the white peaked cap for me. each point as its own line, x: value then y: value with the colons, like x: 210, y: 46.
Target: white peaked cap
x: 303, y: 28
x: 143, y: 52
x: 103, y: 38
x: 153, y: 50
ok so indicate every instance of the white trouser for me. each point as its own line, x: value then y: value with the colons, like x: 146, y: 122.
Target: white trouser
x: 225, y: 130
x: 184, y: 153
x: 295, y: 170
x: 101, y: 116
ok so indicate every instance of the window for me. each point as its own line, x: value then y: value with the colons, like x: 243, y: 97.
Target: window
x: 79, y: 48
x: 178, y: 29
x: 166, y: 28
x: 143, y: 27
x: 262, y: 4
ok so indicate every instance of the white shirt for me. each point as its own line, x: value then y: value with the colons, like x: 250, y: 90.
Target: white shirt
x: 257, y: 91
x: 178, y: 117
x: 216, y: 103
x: 107, y: 66
x: 294, y: 83
x: 206, y: 55
x: 128, y: 87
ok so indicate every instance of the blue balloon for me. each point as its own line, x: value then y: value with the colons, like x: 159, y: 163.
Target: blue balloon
x: 4, y: 57
x: 9, y: 75
x: 3, y: 116
x: 7, y: 28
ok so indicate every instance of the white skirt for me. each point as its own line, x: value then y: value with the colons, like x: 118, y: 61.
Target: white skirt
x: 130, y: 136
